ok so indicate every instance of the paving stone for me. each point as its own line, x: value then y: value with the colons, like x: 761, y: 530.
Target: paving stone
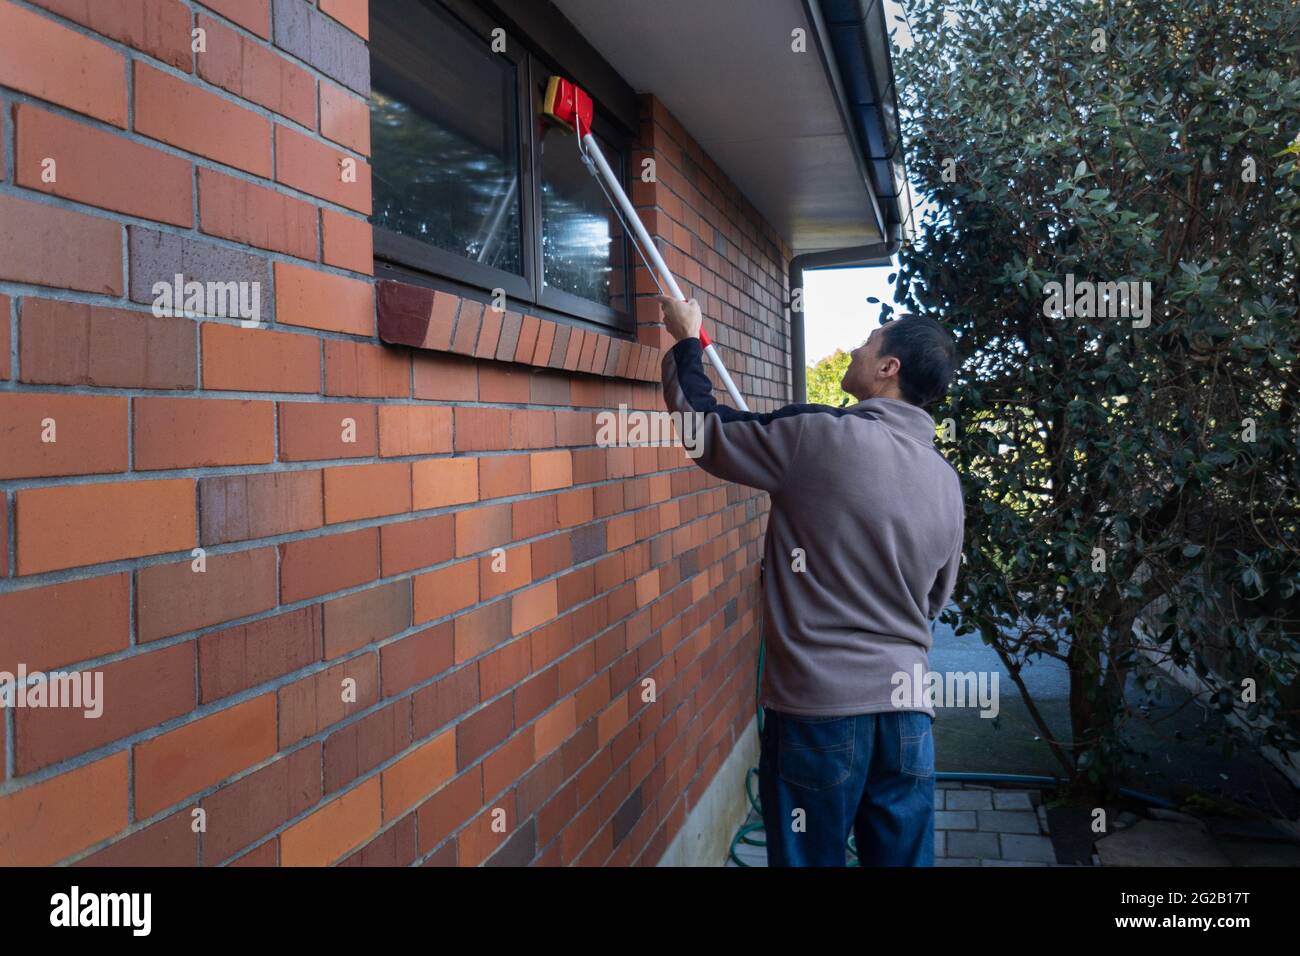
x: 1008, y: 821
x: 978, y: 845
x: 938, y: 798
x: 970, y: 800
x: 949, y: 861
x: 1031, y: 848
x: 954, y: 820
x: 1012, y: 800
x: 949, y: 785
x: 941, y: 843
x: 1160, y: 843
x: 1007, y: 863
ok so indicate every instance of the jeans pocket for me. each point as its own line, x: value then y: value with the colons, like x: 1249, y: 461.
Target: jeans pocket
x: 916, y: 743
x: 815, y: 753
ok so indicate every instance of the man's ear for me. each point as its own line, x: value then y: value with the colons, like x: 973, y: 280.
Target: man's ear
x: 889, y: 366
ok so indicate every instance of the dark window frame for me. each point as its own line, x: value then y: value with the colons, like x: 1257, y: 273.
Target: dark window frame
x: 401, y: 256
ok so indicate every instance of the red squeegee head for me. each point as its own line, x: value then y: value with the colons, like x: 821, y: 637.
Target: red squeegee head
x: 568, y: 104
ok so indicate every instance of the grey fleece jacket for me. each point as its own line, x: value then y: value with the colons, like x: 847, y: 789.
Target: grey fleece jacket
x: 863, y: 539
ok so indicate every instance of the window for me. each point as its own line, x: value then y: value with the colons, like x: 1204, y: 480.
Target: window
x: 471, y: 184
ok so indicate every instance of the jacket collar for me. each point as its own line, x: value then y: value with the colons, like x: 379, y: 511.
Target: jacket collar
x: 912, y: 420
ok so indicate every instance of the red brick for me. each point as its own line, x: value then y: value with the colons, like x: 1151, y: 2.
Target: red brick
x: 255, y: 73
x: 237, y: 658
x: 5, y: 370
x: 51, y: 820
x: 527, y: 344
x: 311, y: 431
x: 482, y: 529
x: 194, y: 433
x: 439, y: 482
x: 181, y: 762
x: 533, y: 607
x: 361, y: 746
x: 65, y: 623
x: 254, y: 15
x: 190, y: 118
x: 354, y: 492
x: 554, y: 727
x: 500, y: 476
x: 171, y: 842
x: 468, y: 323
x: 160, y: 28
x: 445, y: 591
x: 484, y: 729
x: 508, y: 763
x: 366, y: 371
x: 489, y: 336
x: 137, y: 693
x: 481, y: 630
x: 414, y: 430
x: 4, y: 544
x: 254, y: 805
x: 76, y: 525
x: 408, y: 545
x: 317, y: 169
x: 174, y: 598
x: 55, y: 63
x: 259, y: 360
x: 416, y: 658
x: 445, y: 378
x: 310, y: 705
x: 335, y: 829
x: 89, y: 432
x: 482, y: 429
x: 364, y: 617
x: 447, y: 809
x: 69, y: 343
x: 443, y: 701
x: 353, y: 14
x: 243, y: 507
x: 420, y: 772
x: 323, y: 300
x: 347, y: 242
x: 315, y: 566
x: 504, y: 384
x: 551, y: 470
x: 344, y: 118
x: 145, y: 182
x: 46, y: 245
x: 256, y: 216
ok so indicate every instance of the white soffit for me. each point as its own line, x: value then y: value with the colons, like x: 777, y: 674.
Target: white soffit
x: 765, y: 114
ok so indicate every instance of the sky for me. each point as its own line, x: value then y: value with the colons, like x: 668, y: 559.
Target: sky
x: 837, y: 314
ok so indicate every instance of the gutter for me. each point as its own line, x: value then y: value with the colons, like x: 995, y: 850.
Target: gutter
x: 875, y: 254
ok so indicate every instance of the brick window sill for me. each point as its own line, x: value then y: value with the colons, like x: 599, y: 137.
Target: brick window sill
x: 423, y: 318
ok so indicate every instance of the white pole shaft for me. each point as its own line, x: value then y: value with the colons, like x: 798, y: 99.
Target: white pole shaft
x: 652, y: 251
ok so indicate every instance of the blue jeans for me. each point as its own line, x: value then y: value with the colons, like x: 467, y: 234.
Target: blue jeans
x: 869, y: 773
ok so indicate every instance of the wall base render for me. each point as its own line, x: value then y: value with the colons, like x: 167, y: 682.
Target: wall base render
x: 705, y: 837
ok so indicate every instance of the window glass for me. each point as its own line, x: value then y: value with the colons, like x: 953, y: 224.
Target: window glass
x: 444, y: 133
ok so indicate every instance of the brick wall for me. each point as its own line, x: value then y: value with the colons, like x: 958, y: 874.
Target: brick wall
x: 428, y: 601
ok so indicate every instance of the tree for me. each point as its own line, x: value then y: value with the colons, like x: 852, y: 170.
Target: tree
x: 1112, y: 237
x: 823, y: 380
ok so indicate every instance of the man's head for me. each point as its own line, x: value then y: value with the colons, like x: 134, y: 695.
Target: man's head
x: 910, y: 359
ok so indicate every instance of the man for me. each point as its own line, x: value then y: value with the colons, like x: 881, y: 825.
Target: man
x: 863, y: 546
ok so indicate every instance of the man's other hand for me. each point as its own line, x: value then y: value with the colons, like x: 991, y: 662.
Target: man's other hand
x: 682, y: 318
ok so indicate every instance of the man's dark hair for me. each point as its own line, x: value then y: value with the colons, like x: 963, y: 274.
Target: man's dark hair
x: 926, y: 353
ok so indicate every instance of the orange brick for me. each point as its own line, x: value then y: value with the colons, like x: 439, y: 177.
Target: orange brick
x: 480, y: 630
x: 483, y: 429
x: 414, y: 430
x: 196, y: 433
x: 46, y: 245
x: 554, y: 727
x: 322, y: 300
x: 203, y: 752
x: 353, y: 14
x: 506, y: 571
x: 533, y: 607
x: 500, y: 476
x: 190, y: 118
x: 145, y: 182
x: 65, y: 623
x: 160, y: 28
x: 44, y: 434
x: 445, y: 591
x: 439, y: 482
x: 315, y: 168
x: 366, y: 371
x: 253, y: 15
x: 354, y: 492
x: 5, y: 371
x: 551, y: 470
x: 51, y: 820
x: 259, y: 360
x: 320, y: 430
x: 344, y: 118
x: 255, y: 73
x: 443, y: 377
x: 335, y: 829
x: 52, y: 62
x: 174, y: 598
x: 481, y: 529
x: 76, y: 525
x: 256, y: 216
x: 347, y: 242
x: 313, y: 566
x: 418, y: 774
x: 408, y: 545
